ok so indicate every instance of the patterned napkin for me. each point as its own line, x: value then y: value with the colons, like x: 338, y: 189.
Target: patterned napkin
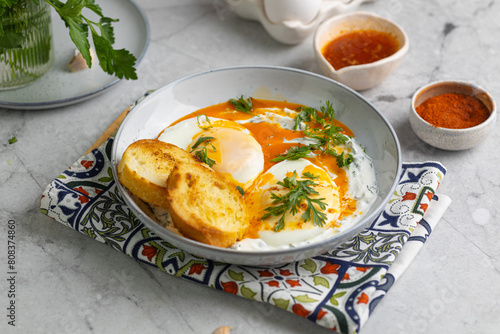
x: 337, y: 290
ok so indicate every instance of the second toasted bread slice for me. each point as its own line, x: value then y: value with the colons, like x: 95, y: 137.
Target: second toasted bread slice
x: 146, y: 165
x: 205, y: 207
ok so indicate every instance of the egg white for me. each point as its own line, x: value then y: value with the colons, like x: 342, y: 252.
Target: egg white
x: 296, y: 229
x: 237, y: 155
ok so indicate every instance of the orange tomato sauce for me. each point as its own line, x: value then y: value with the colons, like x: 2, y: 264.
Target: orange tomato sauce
x: 359, y: 47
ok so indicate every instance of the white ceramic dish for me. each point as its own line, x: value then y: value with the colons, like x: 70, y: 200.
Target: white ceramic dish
x: 189, y: 94
x: 59, y: 87
x: 290, y: 21
x: 451, y: 139
x: 365, y: 76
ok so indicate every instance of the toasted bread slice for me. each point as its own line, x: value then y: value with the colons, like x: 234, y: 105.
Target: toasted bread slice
x: 146, y: 165
x: 205, y: 207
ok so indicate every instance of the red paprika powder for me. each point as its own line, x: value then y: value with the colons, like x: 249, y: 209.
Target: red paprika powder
x: 453, y: 111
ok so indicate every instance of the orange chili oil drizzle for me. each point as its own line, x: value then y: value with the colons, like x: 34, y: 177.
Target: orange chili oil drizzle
x: 453, y: 111
x: 359, y: 47
x: 270, y: 137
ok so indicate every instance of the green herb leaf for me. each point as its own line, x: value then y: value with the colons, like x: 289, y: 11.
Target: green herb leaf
x: 295, y: 153
x: 12, y: 140
x: 206, y: 119
x: 328, y: 111
x: 242, y: 105
x: 326, y: 134
x: 240, y: 190
x: 344, y: 161
x: 115, y: 62
x: 299, y: 191
x: 200, y: 141
x: 202, y: 151
x: 9, y: 40
x: 305, y: 114
x: 119, y: 62
x: 310, y: 175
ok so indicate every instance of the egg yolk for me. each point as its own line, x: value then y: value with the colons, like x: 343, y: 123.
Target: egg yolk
x: 260, y: 196
x: 233, y: 152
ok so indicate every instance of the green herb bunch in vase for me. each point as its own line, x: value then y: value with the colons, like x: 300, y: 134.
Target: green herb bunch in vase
x: 26, y: 41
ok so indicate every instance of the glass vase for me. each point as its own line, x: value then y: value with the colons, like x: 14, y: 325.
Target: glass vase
x: 27, y: 47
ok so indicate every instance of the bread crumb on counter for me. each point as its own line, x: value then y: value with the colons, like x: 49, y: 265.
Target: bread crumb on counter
x: 222, y: 330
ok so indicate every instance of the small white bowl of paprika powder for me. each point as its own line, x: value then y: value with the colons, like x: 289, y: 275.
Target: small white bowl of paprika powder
x: 452, y: 115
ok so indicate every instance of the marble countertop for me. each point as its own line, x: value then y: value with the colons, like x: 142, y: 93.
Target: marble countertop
x: 68, y: 283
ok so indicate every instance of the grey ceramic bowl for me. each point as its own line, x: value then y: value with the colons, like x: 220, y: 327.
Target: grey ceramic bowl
x: 451, y: 139
x: 189, y: 94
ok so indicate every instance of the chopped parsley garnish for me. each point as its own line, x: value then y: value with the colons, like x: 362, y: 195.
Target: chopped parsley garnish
x: 324, y: 131
x: 206, y: 119
x: 242, y: 105
x: 12, y: 140
x: 240, y: 190
x: 328, y: 136
x: 308, y: 114
x: 299, y: 192
x: 296, y: 152
x: 201, y: 151
x: 328, y: 111
x: 344, y: 160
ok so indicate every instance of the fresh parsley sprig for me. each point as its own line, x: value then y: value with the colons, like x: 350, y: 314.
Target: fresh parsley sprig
x: 113, y: 61
x: 300, y: 191
x: 118, y: 62
x: 201, y: 151
x: 323, y: 130
x: 242, y: 104
x: 308, y: 114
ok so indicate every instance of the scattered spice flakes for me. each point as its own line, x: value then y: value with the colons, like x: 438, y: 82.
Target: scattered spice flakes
x: 12, y: 140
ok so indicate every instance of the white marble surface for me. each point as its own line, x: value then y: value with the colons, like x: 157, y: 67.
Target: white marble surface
x: 68, y: 283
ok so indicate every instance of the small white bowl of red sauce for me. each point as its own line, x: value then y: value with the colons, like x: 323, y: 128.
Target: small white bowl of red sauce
x: 359, y: 49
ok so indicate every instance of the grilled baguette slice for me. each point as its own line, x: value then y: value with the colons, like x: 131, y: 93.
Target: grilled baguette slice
x: 205, y: 207
x: 146, y: 165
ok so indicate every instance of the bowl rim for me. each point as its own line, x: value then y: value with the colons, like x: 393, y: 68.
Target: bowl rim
x: 395, y: 56
x: 255, y: 253
x: 485, y: 123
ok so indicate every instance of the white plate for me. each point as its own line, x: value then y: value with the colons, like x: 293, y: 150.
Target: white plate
x: 189, y: 94
x: 59, y: 87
